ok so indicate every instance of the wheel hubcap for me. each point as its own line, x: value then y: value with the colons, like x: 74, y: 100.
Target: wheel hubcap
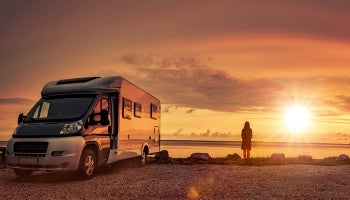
x: 143, y: 159
x: 89, y: 164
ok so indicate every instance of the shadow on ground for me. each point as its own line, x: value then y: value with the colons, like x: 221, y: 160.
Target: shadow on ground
x: 56, y: 177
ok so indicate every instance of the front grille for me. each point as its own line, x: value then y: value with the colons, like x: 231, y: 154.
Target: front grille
x: 30, y: 149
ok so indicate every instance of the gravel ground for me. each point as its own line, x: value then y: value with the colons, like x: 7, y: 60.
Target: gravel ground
x: 171, y: 181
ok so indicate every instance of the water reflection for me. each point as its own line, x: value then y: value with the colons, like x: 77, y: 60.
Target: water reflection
x: 183, y: 149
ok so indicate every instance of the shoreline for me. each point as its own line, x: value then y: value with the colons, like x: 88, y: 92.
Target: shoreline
x: 235, y: 160
x: 261, y: 161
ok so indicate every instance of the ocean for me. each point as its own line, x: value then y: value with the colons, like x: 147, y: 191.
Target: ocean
x: 216, y: 149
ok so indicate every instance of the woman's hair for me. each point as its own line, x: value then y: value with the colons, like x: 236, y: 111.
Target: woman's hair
x: 246, y: 124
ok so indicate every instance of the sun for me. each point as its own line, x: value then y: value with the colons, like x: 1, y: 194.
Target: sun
x: 297, y: 118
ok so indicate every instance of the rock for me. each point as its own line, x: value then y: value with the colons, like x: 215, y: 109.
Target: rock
x: 305, y: 158
x: 2, y: 158
x: 234, y: 156
x: 343, y: 157
x: 200, y: 156
x: 162, y: 155
x: 277, y: 157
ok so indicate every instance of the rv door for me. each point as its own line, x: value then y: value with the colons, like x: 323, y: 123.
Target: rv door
x: 156, y: 135
x: 114, y: 134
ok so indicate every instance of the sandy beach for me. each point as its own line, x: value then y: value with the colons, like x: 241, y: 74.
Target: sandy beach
x: 174, y: 181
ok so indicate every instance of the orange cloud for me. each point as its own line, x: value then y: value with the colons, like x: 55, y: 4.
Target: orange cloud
x: 16, y: 101
x: 186, y: 81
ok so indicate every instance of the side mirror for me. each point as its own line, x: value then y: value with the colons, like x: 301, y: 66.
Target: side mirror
x: 20, y: 118
x: 101, y: 118
x: 104, y: 118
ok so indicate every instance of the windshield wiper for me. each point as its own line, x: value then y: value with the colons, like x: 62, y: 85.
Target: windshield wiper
x: 27, y: 117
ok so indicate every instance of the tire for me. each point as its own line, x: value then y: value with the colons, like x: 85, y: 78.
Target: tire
x: 87, y: 164
x: 143, y: 159
x: 23, y: 173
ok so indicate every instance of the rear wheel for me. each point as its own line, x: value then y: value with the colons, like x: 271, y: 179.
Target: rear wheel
x: 23, y: 172
x: 87, y: 164
x: 143, y: 159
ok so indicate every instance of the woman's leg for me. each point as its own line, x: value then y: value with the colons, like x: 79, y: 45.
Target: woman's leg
x: 245, y: 153
x: 248, y: 153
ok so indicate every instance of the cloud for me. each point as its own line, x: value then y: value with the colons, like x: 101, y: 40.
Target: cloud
x: 219, y: 134
x: 188, y: 81
x: 177, y: 133
x: 206, y: 134
x: 137, y: 59
x: 339, y: 137
x: 335, y: 102
x: 16, y: 101
x: 189, y: 111
x: 343, y: 102
x: 337, y: 105
x: 166, y: 110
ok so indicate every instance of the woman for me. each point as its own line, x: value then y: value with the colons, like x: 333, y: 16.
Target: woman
x: 246, y: 135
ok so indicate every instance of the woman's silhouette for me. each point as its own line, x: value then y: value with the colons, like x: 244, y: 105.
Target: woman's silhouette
x: 246, y: 135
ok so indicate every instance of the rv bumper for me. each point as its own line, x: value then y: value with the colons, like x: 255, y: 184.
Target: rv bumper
x: 62, y: 154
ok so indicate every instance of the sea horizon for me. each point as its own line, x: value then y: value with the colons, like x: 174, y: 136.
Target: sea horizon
x: 256, y: 142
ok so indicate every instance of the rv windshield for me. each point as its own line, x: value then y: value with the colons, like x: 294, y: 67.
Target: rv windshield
x: 70, y: 108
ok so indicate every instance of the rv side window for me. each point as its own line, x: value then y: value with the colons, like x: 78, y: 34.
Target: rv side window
x: 98, y: 125
x: 102, y: 104
x: 127, y: 108
x: 154, y: 111
x: 137, y: 110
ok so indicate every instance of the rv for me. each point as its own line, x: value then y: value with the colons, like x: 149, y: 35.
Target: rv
x: 82, y: 123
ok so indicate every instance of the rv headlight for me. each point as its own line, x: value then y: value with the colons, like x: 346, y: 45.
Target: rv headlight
x: 72, y: 127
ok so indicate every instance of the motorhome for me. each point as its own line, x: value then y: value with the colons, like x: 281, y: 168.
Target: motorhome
x: 82, y: 123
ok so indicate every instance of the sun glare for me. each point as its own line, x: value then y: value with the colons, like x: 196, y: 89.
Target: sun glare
x: 297, y: 118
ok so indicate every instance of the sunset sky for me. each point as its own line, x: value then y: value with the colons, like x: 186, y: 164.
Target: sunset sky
x: 213, y: 64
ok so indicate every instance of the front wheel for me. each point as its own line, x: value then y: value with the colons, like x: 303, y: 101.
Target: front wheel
x: 87, y: 164
x: 22, y: 173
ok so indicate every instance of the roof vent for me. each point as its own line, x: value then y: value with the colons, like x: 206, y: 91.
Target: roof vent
x: 76, y: 80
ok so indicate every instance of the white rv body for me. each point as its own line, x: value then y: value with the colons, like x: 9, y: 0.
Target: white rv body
x: 78, y: 120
